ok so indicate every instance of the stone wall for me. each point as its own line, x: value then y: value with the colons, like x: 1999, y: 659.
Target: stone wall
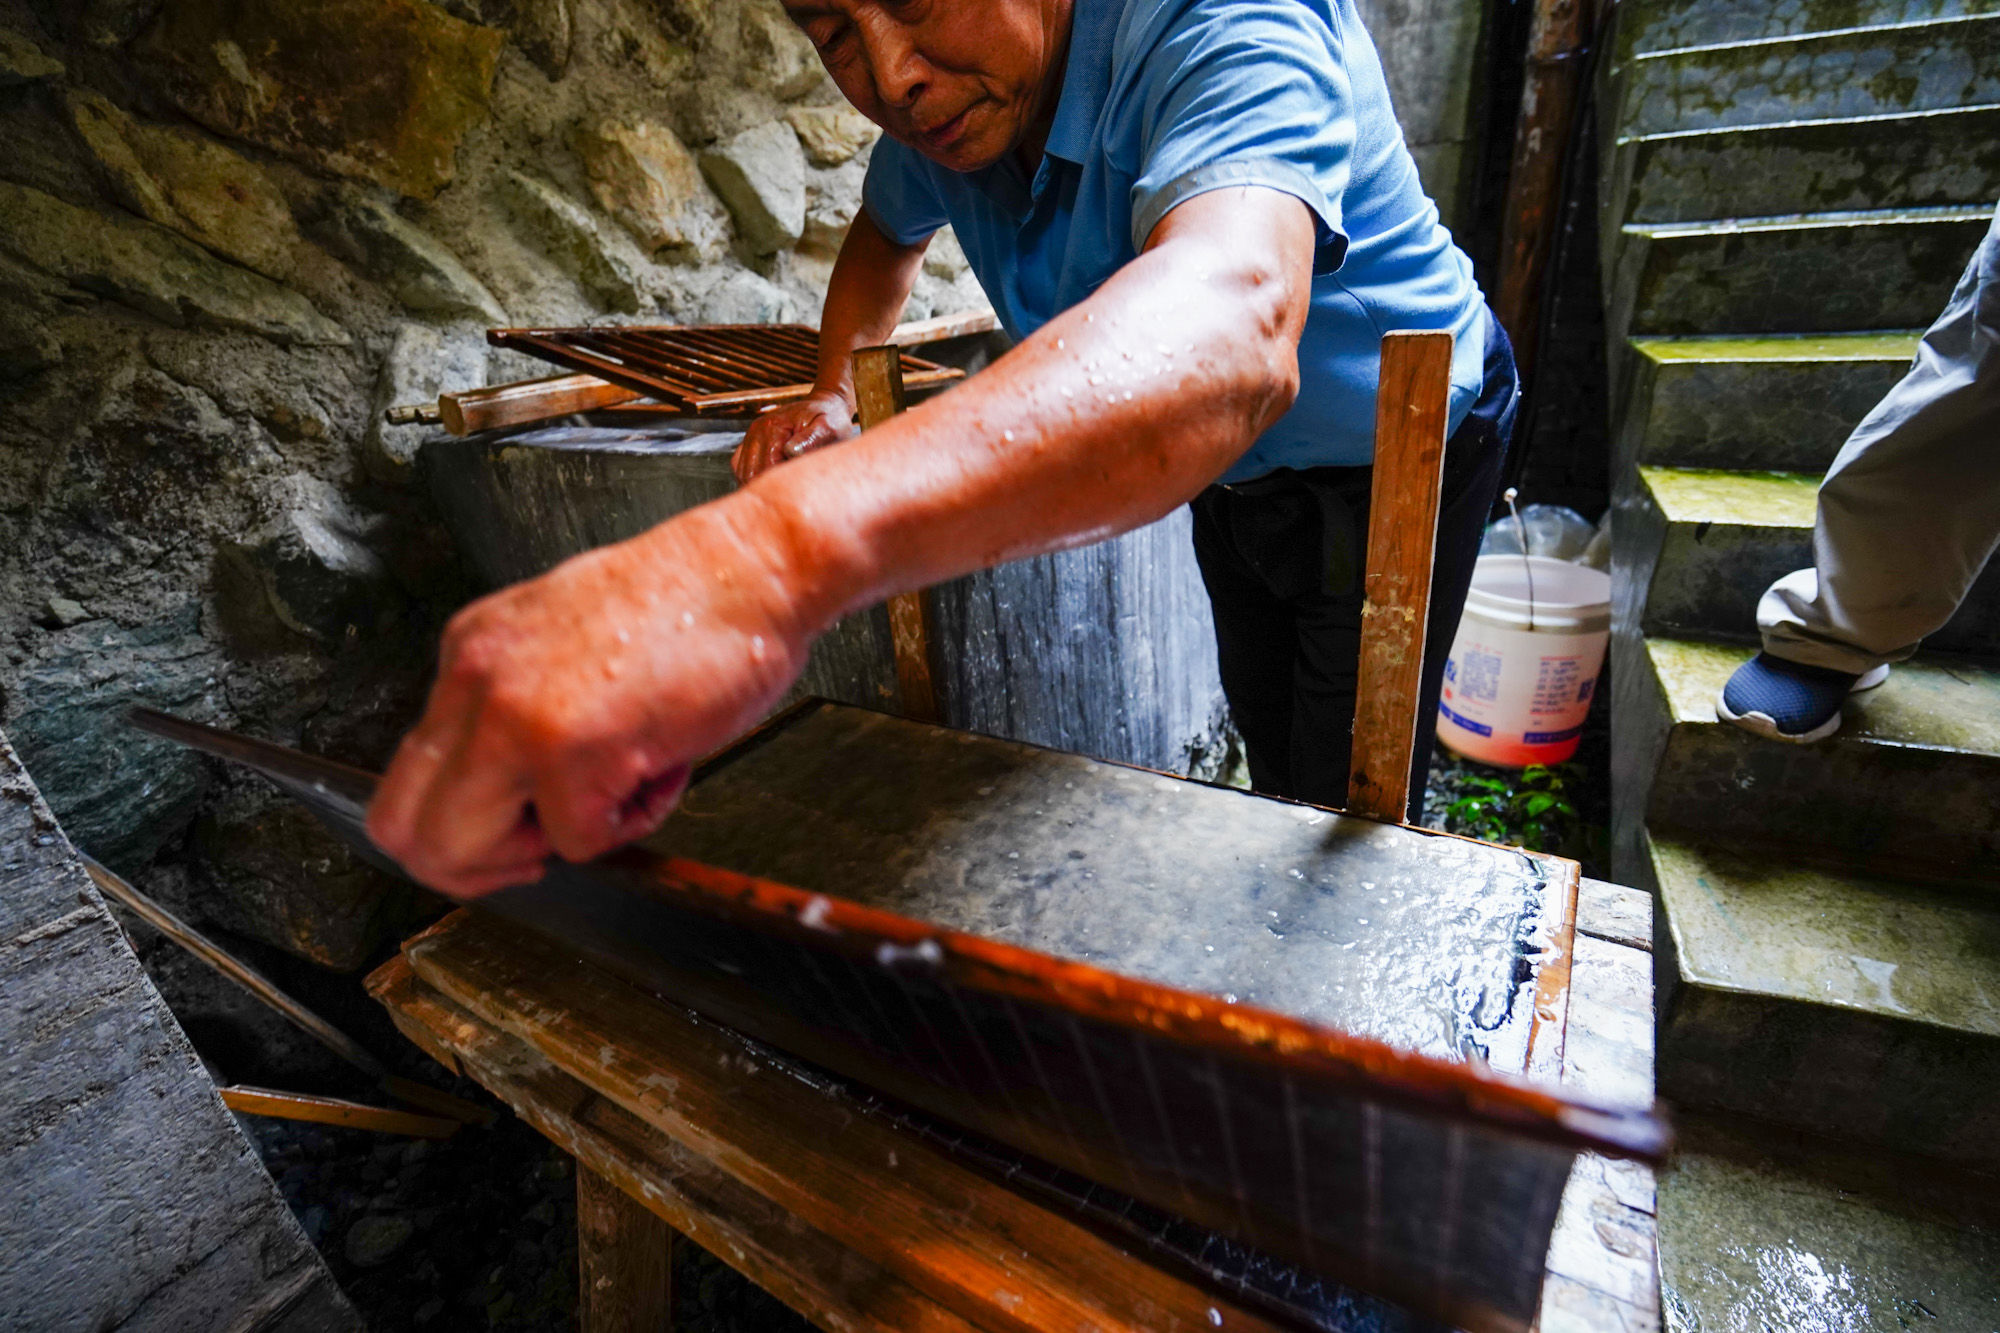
x: 233, y: 231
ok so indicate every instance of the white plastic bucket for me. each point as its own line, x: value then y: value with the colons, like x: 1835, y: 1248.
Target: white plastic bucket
x: 1521, y: 674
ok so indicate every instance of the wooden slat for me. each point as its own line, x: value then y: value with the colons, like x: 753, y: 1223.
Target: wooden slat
x: 336, y: 1111
x: 741, y: 399
x: 879, y: 394
x: 1412, y: 410
x: 997, y: 1259
x: 624, y: 1260
x: 938, y: 328
x: 809, y: 1271
x: 528, y: 400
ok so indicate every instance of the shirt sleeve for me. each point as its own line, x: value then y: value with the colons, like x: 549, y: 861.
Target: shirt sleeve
x: 899, y: 194
x: 1245, y: 92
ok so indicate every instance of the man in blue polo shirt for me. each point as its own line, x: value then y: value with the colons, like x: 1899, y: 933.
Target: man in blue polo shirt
x: 1198, y: 218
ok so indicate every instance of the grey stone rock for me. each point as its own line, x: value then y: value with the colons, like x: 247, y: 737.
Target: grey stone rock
x: 779, y: 57
x: 761, y: 175
x: 21, y: 61
x: 742, y: 297
x: 413, y: 265
x: 945, y: 258
x: 181, y: 178
x: 275, y: 874
x: 100, y: 23
x: 544, y: 30
x: 423, y: 362
x: 832, y: 134
x: 382, y: 90
x: 564, y: 231
x: 27, y: 344
x: 375, y: 1237
x: 61, y: 613
x: 645, y: 177
x: 138, y: 1202
x: 312, y: 566
x: 122, y: 795
x: 153, y: 271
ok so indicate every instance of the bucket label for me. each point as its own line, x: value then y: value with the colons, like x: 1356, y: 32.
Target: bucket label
x: 1551, y: 737
x: 1556, y: 685
x: 1478, y: 673
x: 1476, y: 728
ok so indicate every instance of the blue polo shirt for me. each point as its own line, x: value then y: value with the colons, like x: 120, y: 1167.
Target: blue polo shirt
x: 1165, y: 99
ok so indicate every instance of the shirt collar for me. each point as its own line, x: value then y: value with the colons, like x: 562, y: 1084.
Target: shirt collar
x: 1086, y: 78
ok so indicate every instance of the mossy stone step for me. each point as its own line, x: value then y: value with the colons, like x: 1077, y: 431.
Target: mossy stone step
x: 1925, y: 65
x: 1907, y: 788
x: 1782, y: 402
x: 1845, y: 1004
x: 1768, y: 1232
x: 1663, y: 25
x: 1811, y: 273
x: 1925, y: 159
x: 1724, y: 537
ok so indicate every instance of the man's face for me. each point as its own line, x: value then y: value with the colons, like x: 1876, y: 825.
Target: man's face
x: 958, y: 80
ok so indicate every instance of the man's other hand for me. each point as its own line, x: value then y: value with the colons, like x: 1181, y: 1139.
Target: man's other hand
x: 790, y: 429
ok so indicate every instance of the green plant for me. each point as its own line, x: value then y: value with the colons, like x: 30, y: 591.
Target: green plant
x: 1533, y: 808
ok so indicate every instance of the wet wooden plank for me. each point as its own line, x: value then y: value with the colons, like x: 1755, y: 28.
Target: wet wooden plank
x: 969, y: 1246
x: 1412, y: 411
x: 822, y: 1279
x: 1615, y: 913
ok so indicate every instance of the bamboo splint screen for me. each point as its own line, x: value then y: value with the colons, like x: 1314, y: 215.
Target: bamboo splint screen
x: 1432, y: 1181
x: 703, y: 370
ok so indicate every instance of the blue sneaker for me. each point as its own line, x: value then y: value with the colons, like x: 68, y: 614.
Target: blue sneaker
x: 1789, y: 701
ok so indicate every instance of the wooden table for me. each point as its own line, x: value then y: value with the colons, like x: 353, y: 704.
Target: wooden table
x: 856, y: 1222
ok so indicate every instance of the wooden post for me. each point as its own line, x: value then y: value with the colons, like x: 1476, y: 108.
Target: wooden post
x: 1551, y: 90
x: 624, y: 1260
x: 1412, y: 409
x: 878, y: 395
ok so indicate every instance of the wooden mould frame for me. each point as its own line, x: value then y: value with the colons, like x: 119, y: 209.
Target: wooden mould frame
x: 1429, y: 1182
x: 703, y: 370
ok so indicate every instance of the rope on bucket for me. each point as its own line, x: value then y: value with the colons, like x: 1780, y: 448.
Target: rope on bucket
x: 1521, y: 531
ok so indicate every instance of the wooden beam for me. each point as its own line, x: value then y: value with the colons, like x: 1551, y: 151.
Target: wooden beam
x: 918, y: 332
x: 807, y: 1269
x: 879, y: 395
x: 624, y: 1260
x: 993, y: 1256
x: 1552, y: 88
x: 336, y: 1111
x: 528, y: 400
x: 1412, y: 410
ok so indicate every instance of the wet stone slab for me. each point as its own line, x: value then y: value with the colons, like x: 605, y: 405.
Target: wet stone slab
x: 1424, y: 941
x: 1774, y: 1231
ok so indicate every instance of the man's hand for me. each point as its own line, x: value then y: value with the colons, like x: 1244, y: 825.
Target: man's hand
x: 568, y: 709
x: 789, y: 430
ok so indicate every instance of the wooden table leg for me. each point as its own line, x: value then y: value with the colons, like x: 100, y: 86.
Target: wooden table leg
x: 624, y: 1259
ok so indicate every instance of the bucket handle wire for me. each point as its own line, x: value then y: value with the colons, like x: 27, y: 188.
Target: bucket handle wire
x: 1521, y: 531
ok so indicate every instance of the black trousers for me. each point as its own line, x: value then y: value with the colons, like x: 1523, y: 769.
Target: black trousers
x: 1283, y: 558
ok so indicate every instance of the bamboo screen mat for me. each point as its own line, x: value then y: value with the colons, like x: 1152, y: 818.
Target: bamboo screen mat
x: 705, y: 369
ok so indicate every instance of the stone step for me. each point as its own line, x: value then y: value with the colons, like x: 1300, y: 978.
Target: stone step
x: 1905, y: 789
x: 1785, y: 402
x: 1727, y: 536
x: 1808, y: 273
x: 1764, y: 1231
x: 1925, y: 65
x: 1926, y: 159
x: 1664, y: 25
x: 1849, y: 1005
